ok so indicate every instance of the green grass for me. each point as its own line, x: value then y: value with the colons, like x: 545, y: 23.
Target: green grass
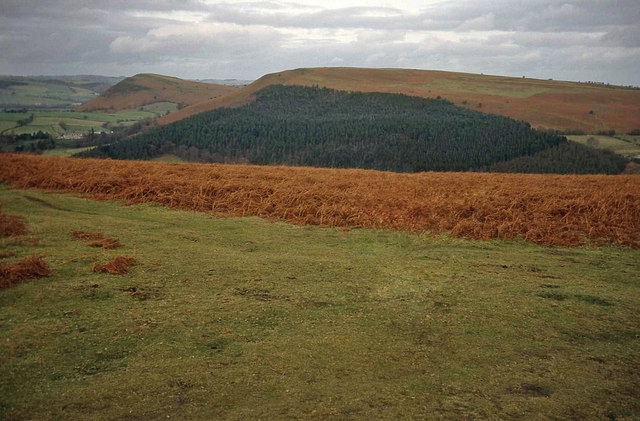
x: 160, y: 108
x: 41, y: 93
x: 49, y: 121
x: 168, y: 158
x: 64, y: 151
x: 621, y: 144
x: 239, y: 318
x: 6, y: 125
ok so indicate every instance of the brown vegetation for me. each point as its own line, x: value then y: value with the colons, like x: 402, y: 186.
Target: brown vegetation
x: 4, y: 255
x: 11, y: 225
x: 144, y: 89
x: 20, y: 239
x: 547, y: 209
x: 118, y: 266
x: 106, y: 243
x: 543, y: 103
x: 81, y: 235
x: 23, y: 270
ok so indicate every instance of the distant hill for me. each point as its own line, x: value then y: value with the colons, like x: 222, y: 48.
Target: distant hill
x: 147, y: 88
x: 308, y: 126
x: 48, y: 92
x: 543, y: 103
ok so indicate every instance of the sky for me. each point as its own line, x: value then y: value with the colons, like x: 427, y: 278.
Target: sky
x: 581, y: 40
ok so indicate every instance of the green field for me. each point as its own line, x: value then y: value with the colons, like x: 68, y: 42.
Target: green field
x: 49, y: 121
x: 45, y: 94
x: 621, y: 144
x: 239, y: 318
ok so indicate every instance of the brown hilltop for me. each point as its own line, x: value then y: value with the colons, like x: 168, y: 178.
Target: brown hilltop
x: 543, y: 103
x: 147, y: 88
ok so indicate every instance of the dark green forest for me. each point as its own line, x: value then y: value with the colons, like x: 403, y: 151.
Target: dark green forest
x: 310, y: 126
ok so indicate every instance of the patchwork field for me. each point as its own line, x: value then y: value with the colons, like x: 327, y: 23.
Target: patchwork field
x: 51, y: 91
x: 240, y: 318
x: 58, y: 123
x: 543, y: 103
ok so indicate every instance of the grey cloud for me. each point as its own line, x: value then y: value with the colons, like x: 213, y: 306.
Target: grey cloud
x: 570, y: 39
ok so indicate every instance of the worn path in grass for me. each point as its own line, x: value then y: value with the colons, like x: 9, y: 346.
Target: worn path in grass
x: 239, y: 318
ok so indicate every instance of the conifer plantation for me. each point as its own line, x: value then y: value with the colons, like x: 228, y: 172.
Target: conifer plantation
x: 320, y: 127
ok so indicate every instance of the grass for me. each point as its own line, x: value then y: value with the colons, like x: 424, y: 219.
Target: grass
x: 239, y: 318
x: 42, y: 93
x: 168, y: 158
x: 160, y: 108
x: 49, y: 121
x: 621, y: 144
x: 65, y: 151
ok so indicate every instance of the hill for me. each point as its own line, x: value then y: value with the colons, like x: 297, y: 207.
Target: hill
x: 239, y: 318
x: 543, y: 103
x: 47, y: 92
x: 146, y: 88
x: 295, y: 125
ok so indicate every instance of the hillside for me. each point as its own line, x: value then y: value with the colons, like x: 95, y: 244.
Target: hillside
x: 145, y: 89
x: 542, y: 103
x: 295, y: 125
x: 51, y: 92
x: 239, y: 318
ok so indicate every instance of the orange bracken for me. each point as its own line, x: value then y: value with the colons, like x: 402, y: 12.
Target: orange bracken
x: 547, y: 209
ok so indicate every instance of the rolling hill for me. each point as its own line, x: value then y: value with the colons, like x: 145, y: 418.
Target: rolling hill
x: 321, y: 127
x: 51, y: 92
x: 543, y: 103
x: 147, y: 88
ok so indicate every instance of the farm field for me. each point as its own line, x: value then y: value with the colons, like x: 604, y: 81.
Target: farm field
x: 543, y: 103
x: 545, y: 209
x: 51, y: 91
x: 49, y: 121
x: 240, y: 318
x: 621, y: 144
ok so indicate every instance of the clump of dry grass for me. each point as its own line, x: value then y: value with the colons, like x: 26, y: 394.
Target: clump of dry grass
x: 118, y: 266
x: 106, y: 243
x: 11, y: 225
x: 81, y: 235
x: 23, y: 270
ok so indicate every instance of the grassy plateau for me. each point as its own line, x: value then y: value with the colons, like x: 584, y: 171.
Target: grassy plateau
x: 240, y: 318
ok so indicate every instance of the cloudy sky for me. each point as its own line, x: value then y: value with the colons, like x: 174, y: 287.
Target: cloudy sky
x: 582, y: 40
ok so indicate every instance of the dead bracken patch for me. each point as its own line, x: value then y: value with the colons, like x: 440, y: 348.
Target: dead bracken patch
x: 546, y: 209
x: 118, y: 266
x: 11, y: 225
x: 81, y: 235
x: 6, y: 254
x: 23, y: 270
x: 106, y: 243
x: 20, y: 239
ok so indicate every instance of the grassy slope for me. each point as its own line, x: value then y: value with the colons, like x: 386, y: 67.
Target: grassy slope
x: 621, y: 144
x: 241, y: 319
x: 144, y: 89
x: 543, y: 103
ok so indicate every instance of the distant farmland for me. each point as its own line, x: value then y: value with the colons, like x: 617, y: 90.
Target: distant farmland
x: 545, y: 209
x: 543, y: 103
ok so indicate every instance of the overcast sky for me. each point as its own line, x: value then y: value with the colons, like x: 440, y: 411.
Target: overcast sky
x: 571, y: 40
